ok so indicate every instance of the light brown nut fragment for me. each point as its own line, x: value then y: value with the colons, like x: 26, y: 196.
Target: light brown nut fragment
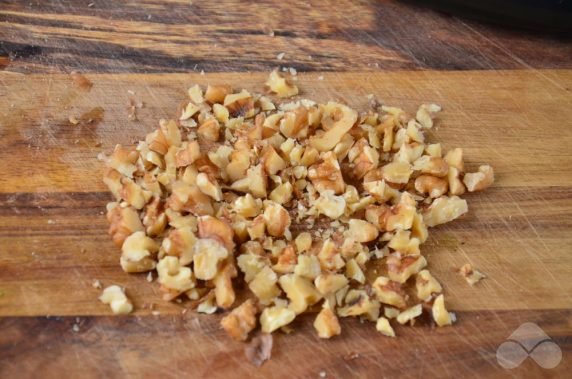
x: 419, y: 229
x: 250, y: 264
x: 196, y: 94
x: 133, y: 194
x: 434, y: 166
x: 123, y: 160
x: 354, y: 271
x: 217, y: 229
x: 221, y: 113
x: 275, y: 317
x: 471, y: 275
x: 272, y: 161
x: 174, y: 276
x: 239, y: 164
x: 327, y: 174
x: 426, y: 285
x: 363, y: 158
x: 241, y: 321
x: 189, y: 111
x: 137, y: 253
x: 277, y: 219
x: 300, y: 291
x: 445, y: 209
x: 358, y: 303
x: 410, y: 314
x: 397, y: 172
x: 454, y: 158
x: 180, y: 243
x: 344, y: 118
x: 390, y: 312
x: 308, y: 266
x: 329, y: 256
x: 303, y: 242
x: 117, y: 300
x: 425, y: 114
x: 240, y: 104
x: 404, y: 243
x: 389, y: 292
x: 189, y: 198
x: 362, y: 231
x: 247, y: 206
x: 380, y: 190
x: 401, y: 269
x: 382, y: 325
x: 208, y: 255
x: 123, y: 221
x: 217, y: 94
x: 327, y: 283
x: 282, y: 194
x: 294, y: 124
x: 256, y: 182
x: 287, y: 260
x: 434, y: 150
x: 327, y: 324
x: 456, y: 186
x: 257, y: 228
x: 224, y: 292
x: 440, y: 314
x: 263, y: 286
x: 112, y: 180
x: 330, y: 205
x: 280, y: 86
x: 209, y: 130
x: 209, y: 187
x: 155, y: 219
x: 480, y: 180
x: 431, y: 185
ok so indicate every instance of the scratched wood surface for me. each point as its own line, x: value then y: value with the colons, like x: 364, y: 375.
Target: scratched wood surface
x: 506, y: 96
x: 183, y: 35
x: 54, y: 240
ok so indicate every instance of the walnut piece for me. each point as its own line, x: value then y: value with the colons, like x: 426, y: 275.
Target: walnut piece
x: 117, y: 300
x: 241, y: 321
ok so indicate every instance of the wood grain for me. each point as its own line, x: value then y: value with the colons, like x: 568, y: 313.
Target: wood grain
x: 53, y: 240
x: 177, y: 36
x: 194, y: 346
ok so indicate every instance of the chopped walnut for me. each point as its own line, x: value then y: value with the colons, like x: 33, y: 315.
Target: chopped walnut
x: 241, y: 321
x: 327, y: 324
x: 327, y: 175
x: 123, y: 221
x: 280, y: 86
x: 362, y: 231
x: 445, y: 209
x: 137, y: 253
x: 471, y: 275
x: 426, y: 285
x: 410, y: 314
x: 440, y: 314
x: 275, y: 317
x: 480, y: 180
x: 117, y: 300
x: 384, y: 327
x: 301, y: 292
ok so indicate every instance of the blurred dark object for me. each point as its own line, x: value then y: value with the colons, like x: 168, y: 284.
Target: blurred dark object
x: 553, y: 16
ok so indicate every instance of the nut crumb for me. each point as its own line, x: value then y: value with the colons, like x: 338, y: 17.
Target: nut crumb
x: 280, y: 56
x: 471, y: 275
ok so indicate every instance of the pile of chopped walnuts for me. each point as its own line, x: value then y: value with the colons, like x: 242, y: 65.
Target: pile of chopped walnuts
x: 309, y: 206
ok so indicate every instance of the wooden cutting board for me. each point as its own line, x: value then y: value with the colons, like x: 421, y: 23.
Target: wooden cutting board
x: 54, y: 242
